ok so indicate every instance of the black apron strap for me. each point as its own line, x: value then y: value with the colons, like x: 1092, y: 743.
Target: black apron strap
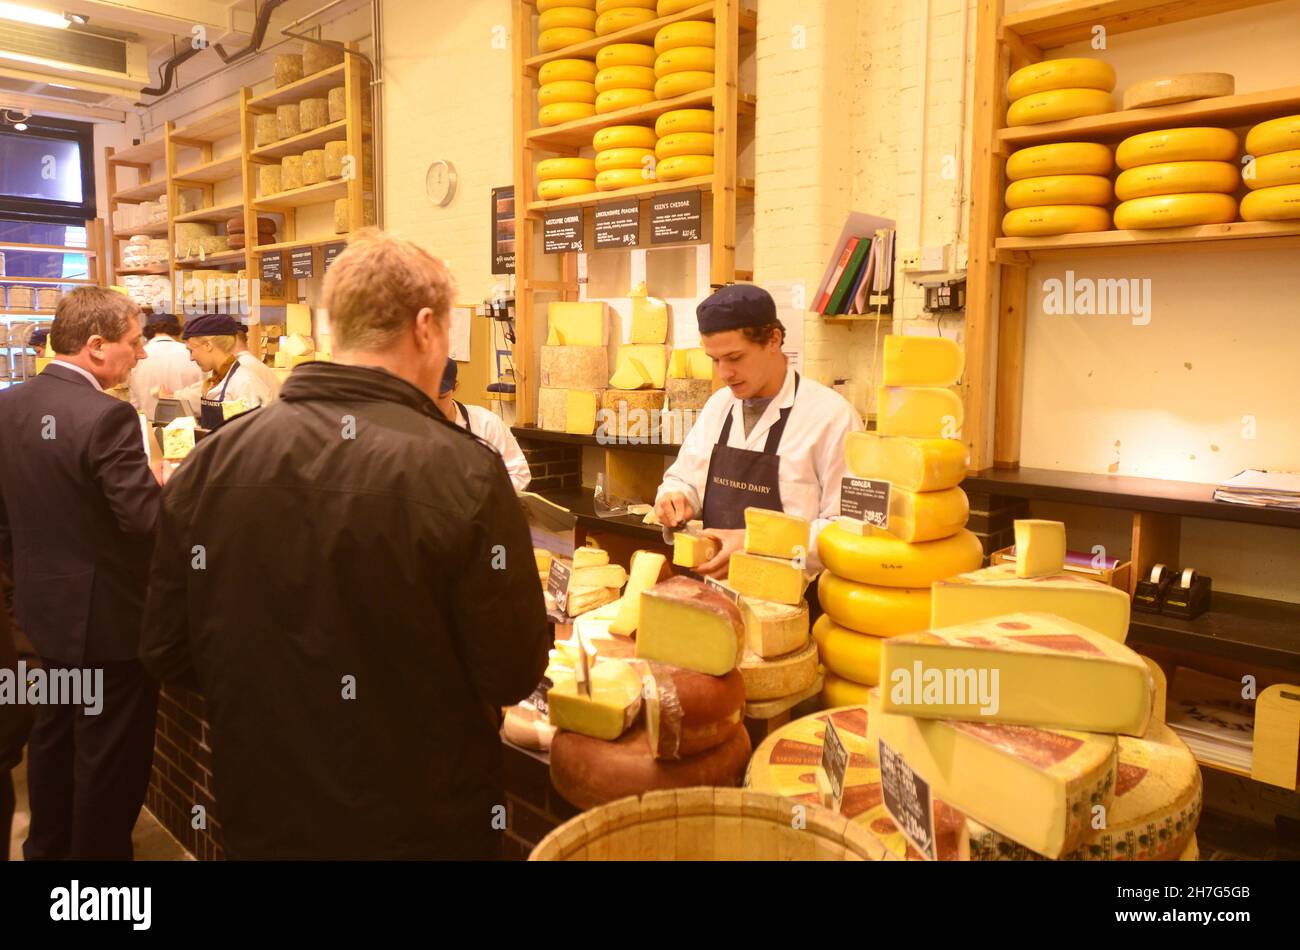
x: 773, y: 434
x: 464, y: 413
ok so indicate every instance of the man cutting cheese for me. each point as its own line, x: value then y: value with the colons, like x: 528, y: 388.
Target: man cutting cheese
x: 771, y: 439
x: 486, y: 425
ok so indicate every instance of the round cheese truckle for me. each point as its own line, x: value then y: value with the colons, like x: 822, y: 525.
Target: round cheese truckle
x: 884, y: 560
x: 589, y: 772
x: 688, y: 713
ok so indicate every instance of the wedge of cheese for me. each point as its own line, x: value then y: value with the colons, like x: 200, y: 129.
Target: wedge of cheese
x: 649, y: 318
x: 768, y: 578
x: 772, y: 629
x: 605, y: 575
x: 576, y: 323
x: 583, y: 599
x: 678, y: 366
x: 692, y: 550
x: 919, y: 412
x: 918, y: 465
x: 1025, y: 669
x: 686, y: 623
x: 1040, y: 547
x: 581, y: 406
x: 994, y: 591
x: 646, y: 567
x: 1037, y: 787
x: 640, y: 366
x: 922, y: 361
x: 587, y: 556
x: 776, y: 534
x: 699, y: 363
x: 608, y: 712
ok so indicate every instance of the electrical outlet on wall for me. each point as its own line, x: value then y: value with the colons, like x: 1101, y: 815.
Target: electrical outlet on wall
x: 934, y: 257
x: 910, y: 259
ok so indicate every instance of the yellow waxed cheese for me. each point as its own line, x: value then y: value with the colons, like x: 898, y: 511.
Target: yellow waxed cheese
x: 580, y: 413
x: 838, y: 691
x: 587, y: 556
x: 625, y: 54
x: 621, y: 18
x: 1059, y: 190
x: 919, y: 412
x: 700, y: 363
x: 1176, y: 178
x: 847, y: 653
x: 780, y: 676
x: 1040, y: 547
x: 566, y: 90
x: 687, y: 624
x: 684, y: 166
x: 920, y: 465
x: 1032, y: 669
x: 996, y: 590
x: 1050, y: 74
x: 552, y: 168
x: 768, y: 578
x: 684, y: 143
x: 685, y: 58
x: 1196, y: 144
x: 1048, y: 220
x: 922, y: 361
x: 641, y: 366
x: 1275, y: 135
x: 610, y: 710
x: 612, y: 100
x: 624, y: 77
x: 554, y: 188
x: 1057, y: 104
x: 679, y: 84
x: 1280, y: 203
x: 567, y: 70
x: 1060, y: 158
x: 570, y: 16
x: 624, y: 136
x: 684, y: 33
x: 692, y: 550
x: 576, y: 323
x: 1273, y: 171
x: 1176, y: 211
x: 773, y: 629
x: 868, y: 608
x: 684, y: 120
x: 884, y: 560
x: 561, y: 36
x: 776, y: 534
x: 646, y: 567
x: 603, y: 575
x: 557, y: 113
x: 615, y: 158
x: 927, y: 516
x: 649, y: 320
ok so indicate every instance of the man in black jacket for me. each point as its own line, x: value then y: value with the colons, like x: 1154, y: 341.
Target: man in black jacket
x: 348, y: 578
x: 78, y: 505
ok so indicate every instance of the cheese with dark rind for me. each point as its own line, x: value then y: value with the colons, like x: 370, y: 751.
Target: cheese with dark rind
x: 779, y: 676
x: 773, y: 629
x: 688, y: 713
x: 588, y: 772
x: 686, y: 623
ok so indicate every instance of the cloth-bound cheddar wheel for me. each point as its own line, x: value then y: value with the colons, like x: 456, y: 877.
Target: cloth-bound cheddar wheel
x: 1175, y: 211
x: 625, y: 77
x: 611, y: 100
x: 548, y: 41
x: 685, y: 33
x: 1060, y: 158
x: 779, y: 676
x: 1046, y: 220
x: 624, y: 136
x: 612, y: 158
x: 1177, y: 178
x: 567, y: 70
x: 685, y: 58
x: 1058, y: 104
x: 669, y: 7
x: 558, y: 112
x: 1059, y: 190
x: 625, y: 54
x: 1051, y: 74
x: 679, y: 84
x: 1168, y: 90
x: 1270, y: 171
x: 684, y: 166
x: 1272, y: 204
x: 560, y: 17
x: 564, y: 188
x: 684, y: 143
x: 604, y: 6
x: 1275, y: 135
x: 884, y: 560
x: 622, y: 18
x: 589, y: 772
x: 867, y: 608
x: 545, y: 6
x: 684, y: 120
x: 566, y: 90
x: 1177, y: 145
x: 616, y: 178
x: 551, y: 168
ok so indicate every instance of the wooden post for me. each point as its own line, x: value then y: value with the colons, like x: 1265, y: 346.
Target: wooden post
x: 173, y: 202
x: 722, y: 268
x: 1156, y: 540
x: 526, y: 402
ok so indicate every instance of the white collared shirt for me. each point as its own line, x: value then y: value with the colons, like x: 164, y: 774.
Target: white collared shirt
x: 167, y: 365
x: 77, y: 369
x: 488, y: 426
x: 811, y: 450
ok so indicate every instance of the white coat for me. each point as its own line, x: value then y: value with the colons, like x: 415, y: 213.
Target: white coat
x: 167, y: 365
x: 487, y: 425
x: 247, y: 384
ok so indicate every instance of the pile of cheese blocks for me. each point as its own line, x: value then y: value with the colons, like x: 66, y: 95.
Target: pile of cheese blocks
x: 574, y: 366
x: 684, y: 64
x: 1057, y: 89
x: 624, y: 153
x: 631, y: 404
x: 688, y: 388
x: 1177, y: 178
x: 876, y: 583
x: 1274, y: 174
x: 1060, y: 188
x: 593, y: 582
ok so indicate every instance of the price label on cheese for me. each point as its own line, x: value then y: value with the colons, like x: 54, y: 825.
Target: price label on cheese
x: 675, y: 218
x: 538, y: 699
x: 302, y: 263
x: 908, y: 800
x: 332, y: 251
x: 618, y: 223
x: 557, y: 583
x: 835, y: 761
x: 272, y: 265
x: 865, y: 499
x: 733, y: 595
x: 562, y: 231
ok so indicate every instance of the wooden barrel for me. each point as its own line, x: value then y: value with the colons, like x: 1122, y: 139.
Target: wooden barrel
x: 709, y: 824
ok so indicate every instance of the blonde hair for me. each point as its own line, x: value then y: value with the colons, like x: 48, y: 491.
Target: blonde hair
x: 375, y: 288
x: 226, y: 344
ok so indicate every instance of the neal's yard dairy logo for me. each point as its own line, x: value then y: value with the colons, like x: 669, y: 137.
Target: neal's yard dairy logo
x: 949, y: 686
x: 77, y: 903
x: 52, y: 687
x: 1086, y: 297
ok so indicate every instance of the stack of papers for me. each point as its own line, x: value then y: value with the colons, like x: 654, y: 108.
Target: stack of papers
x: 1261, y: 489
x: 1218, y: 731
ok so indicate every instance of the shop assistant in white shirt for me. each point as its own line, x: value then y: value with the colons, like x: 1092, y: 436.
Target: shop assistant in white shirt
x: 486, y: 425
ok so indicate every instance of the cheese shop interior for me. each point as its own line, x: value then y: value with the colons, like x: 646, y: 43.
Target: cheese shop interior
x: 1125, y: 357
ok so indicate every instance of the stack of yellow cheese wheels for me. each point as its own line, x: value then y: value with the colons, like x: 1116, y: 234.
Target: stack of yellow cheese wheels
x: 876, y: 582
x: 1273, y: 175
x: 625, y: 76
x: 1061, y: 188
x: 685, y: 146
x: 564, y: 177
x: 567, y: 91
x: 615, y: 15
x: 669, y: 7
x: 1057, y: 89
x: 562, y: 23
x: 684, y: 62
x: 1175, y: 178
x: 625, y: 157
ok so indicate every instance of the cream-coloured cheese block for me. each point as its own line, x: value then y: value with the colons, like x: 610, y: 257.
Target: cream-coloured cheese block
x: 686, y: 623
x: 700, y: 363
x: 1040, y: 547
x: 692, y: 550
x: 649, y: 319
x: 584, y: 599
x: 678, y: 368
x: 1027, y: 669
x: 575, y: 367
x: 919, y: 412
x: 630, y: 413
x: 1168, y: 90
x: 587, y: 556
x: 580, y: 411
x: 769, y: 578
x: 779, y: 676
x: 688, y: 393
x: 919, y: 465
x: 773, y: 629
x: 577, y: 323
x: 297, y: 319
x: 847, y: 653
x: 178, y: 438
x: 1035, y: 786
x: 927, y: 516
x: 776, y: 534
x: 922, y: 361
x: 646, y: 567
x: 605, y: 575
x: 641, y: 366
x: 525, y: 727
x: 882, y: 559
x: 552, y: 408
x: 608, y: 712
x: 867, y: 608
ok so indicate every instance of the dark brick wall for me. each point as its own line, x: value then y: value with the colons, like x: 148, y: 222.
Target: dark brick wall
x: 533, y: 807
x: 992, y: 519
x: 182, y: 773
x: 553, y: 466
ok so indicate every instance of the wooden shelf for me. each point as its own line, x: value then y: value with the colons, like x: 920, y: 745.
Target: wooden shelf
x: 312, y: 242
x: 46, y: 249
x: 1076, y: 20
x: 855, y: 319
x: 568, y: 438
x: 71, y: 281
x: 334, y: 132
x: 1224, y: 111
x: 579, y: 132
x: 146, y: 153
x: 222, y: 169
x: 214, y: 260
x: 158, y: 271
x: 149, y: 230
x: 209, y: 129
x: 323, y: 193
x: 1255, y: 234
x: 146, y: 191
x: 701, y: 183
x: 217, y: 215
x: 645, y: 33
x: 1247, y: 629
x: 314, y: 86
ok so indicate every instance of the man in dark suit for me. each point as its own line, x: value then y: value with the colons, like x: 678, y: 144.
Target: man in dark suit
x: 78, y: 504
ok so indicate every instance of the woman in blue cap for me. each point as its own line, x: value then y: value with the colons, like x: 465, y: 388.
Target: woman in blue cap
x: 486, y: 425
x: 211, y: 339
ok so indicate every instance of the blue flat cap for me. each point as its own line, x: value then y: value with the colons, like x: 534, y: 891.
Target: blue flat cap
x: 211, y: 324
x: 734, y: 307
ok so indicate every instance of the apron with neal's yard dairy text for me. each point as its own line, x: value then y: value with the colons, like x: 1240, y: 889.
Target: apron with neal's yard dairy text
x: 741, y: 478
x: 211, y: 415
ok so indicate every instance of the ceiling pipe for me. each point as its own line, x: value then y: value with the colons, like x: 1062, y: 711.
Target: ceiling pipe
x: 167, y: 71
